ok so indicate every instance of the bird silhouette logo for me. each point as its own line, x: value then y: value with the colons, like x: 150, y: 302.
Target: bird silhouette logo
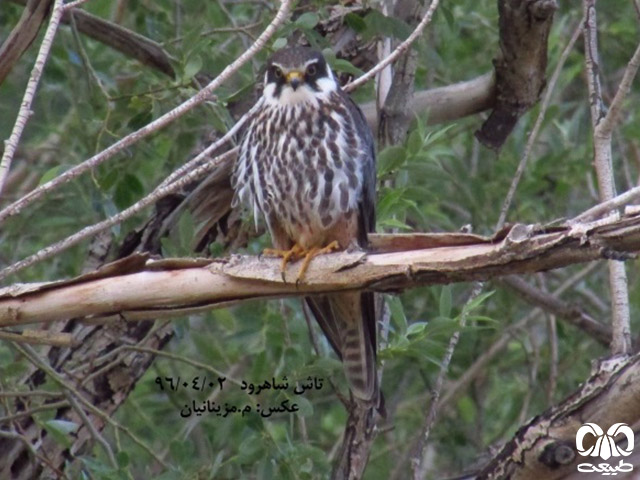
x: 605, y: 446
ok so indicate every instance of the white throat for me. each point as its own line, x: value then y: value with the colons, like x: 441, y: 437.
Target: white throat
x: 303, y: 94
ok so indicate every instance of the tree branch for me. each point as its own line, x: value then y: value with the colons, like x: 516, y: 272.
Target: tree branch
x: 202, y: 96
x: 520, y: 66
x: 126, y: 41
x: 136, y: 288
x: 11, y: 144
x: 602, y: 129
x: 545, y: 447
x: 22, y: 34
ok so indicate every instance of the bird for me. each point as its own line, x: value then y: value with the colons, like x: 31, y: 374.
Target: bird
x: 307, y: 166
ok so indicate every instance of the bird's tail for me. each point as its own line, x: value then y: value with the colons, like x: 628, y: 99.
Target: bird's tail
x: 349, y: 322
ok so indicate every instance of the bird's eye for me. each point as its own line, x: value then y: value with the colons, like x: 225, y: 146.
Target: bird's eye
x: 311, y: 70
x: 277, y: 72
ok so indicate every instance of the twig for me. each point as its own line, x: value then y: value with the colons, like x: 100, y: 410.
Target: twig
x: 606, y: 125
x: 31, y: 393
x: 92, y: 429
x: 605, y: 207
x: 536, y: 128
x: 553, y: 305
x: 74, y: 4
x: 91, y: 230
x: 25, y: 108
x: 399, y: 50
x: 45, y: 407
x: 32, y: 450
x: 23, y: 34
x: 213, y: 31
x: 39, y: 337
x: 33, y: 357
x: 478, y: 366
x: 602, y: 127
x: 202, y: 96
x: 418, y: 466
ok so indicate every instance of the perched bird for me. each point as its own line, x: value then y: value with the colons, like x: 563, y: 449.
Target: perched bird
x: 307, y: 166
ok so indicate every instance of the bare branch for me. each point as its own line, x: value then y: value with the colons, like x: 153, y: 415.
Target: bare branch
x: 159, y: 192
x: 459, y: 385
x: 125, y: 41
x: 74, y: 4
x: 24, y: 32
x: 417, y: 461
x: 399, y: 50
x: 202, y: 96
x: 602, y: 128
x: 25, y: 107
x: 550, y: 303
x: 605, y: 207
x: 140, y: 292
x: 444, y: 104
x: 545, y: 447
x: 39, y: 337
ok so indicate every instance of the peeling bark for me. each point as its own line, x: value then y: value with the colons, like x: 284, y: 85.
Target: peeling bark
x: 136, y: 287
x: 546, y: 448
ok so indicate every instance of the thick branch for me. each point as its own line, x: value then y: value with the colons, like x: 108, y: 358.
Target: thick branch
x: 137, y: 289
x: 520, y: 66
x: 22, y: 35
x: 125, y: 41
x: 546, y: 447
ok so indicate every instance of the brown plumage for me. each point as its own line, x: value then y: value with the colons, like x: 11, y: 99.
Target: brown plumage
x: 307, y: 166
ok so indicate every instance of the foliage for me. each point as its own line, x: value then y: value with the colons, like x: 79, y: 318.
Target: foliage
x: 440, y: 179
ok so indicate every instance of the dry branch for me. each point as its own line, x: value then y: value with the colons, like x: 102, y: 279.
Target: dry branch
x: 603, y: 123
x: 22, y: 35
x: 545, y: 447
x: 520, y: 66
x: 11, y: 144
x: 137, y: 288
x: 119, y: 38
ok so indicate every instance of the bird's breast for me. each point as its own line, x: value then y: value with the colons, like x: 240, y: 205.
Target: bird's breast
x: 300, y: 166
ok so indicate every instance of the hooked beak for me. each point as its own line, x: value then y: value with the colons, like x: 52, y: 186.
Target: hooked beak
x: 294, y: 79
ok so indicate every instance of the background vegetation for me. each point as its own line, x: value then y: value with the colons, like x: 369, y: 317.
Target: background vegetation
x: 439, y: 180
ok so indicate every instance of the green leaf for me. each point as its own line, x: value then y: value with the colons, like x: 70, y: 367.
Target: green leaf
x: 448, y: 15
x: 193, y: 66
x: 305, y: 407
x: 51, y: 174
x: 307, y: 20
x: 279, y: 43
x: 341, y: 65
x: 397, y: 313
x: 128, y: 190
x: 445, y: 302
x: 60, y: 430
x: 394, y: 223
x: 355, y: 22
x: 416, y: 328
x: 476, y: 302
x: 379, y: 24
x: 123, y: 459
x: 390, y: 159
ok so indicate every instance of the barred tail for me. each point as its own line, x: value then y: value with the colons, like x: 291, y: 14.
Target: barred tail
x: 349, y: 322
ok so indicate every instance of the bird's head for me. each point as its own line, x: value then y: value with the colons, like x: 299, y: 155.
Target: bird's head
x: 297, y: 75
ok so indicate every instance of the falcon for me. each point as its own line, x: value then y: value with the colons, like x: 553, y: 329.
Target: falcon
x: 307, y: 166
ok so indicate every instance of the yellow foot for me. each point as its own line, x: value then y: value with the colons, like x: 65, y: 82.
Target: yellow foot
x: 296, y: 253
x: 314, y: 252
